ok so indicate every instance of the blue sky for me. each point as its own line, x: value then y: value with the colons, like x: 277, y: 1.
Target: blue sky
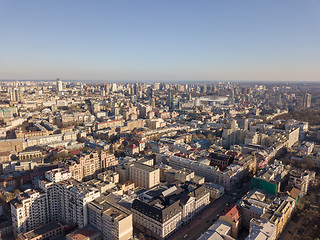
x: 161, y: 40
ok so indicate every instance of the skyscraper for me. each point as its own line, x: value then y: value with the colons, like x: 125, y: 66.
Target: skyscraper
x: 170, y: 99
x: 307, y: 100
x: 59, y: 86
x: 15, y: 94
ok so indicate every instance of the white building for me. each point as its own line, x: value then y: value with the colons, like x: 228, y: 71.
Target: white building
x: 67, y: 200
x: 59, y: 86
x: 219, y: 230
x: 58, y: 175
x: 209, y: 172
x: 114, y: 221
x: 29, y: 210
x: 262, y: 229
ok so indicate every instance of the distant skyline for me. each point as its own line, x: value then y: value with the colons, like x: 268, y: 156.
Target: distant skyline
x: 168, y: 40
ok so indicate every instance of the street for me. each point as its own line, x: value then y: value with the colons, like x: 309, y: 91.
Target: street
x: 203, y: 221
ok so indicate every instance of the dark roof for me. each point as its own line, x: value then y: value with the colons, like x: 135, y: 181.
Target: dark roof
x: 220, y: 156
x: 155, y: 211
x: 200, y: 191
x: 43, y: 229
x: 161, y: 208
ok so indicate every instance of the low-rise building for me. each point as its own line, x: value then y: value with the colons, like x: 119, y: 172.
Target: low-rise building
x: 44, y: 231
x: 261, y: 229
x: 257, y: 204
x: 86, y: 233
x: 233, y: 217
x: 219, y: 230
x: 301, y: 179
x: 270, y: 178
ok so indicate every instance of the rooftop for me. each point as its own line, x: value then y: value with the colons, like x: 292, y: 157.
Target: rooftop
x: 85, y: 233
x: 42, y: 229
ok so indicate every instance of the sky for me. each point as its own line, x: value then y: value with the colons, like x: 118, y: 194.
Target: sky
x: 160, y: 40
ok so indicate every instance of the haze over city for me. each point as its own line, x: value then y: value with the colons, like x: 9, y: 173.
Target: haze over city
x: 160, y: 40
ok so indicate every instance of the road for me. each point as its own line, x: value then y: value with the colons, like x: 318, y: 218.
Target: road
x: 203, y: 221
x: 208, y: 216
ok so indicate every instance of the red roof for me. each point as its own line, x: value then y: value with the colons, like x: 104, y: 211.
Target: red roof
x: 194, y: 149
x: 234, y: 213
x: 76, y: 152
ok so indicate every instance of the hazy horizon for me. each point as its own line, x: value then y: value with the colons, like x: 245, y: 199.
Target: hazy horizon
x: 166, y: 81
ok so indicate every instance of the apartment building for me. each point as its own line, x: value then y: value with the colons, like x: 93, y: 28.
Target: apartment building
x: 227, y: 178
x: 157, y: 219
x: 260, y: 228
x: 253, y: 205
x: 279, y: 213
x: 85, y: 166
x: 220, y: 160
x: 233, y: 217
x: 200, y: 169
x: 219, y: 230
x: 108, y: 160
x: 144, y: 175
x: 230, y: 176
x: 109, y: 176
x: 301, y: 179
x: 160, y: 211
x: 67, y: 200
x: 73, y: 199
x: 258, y: 205
x: 270, y: 178
x: 29, y: 210
x: 114, y: 221
x: 58, y: 175
x: 109, y: 124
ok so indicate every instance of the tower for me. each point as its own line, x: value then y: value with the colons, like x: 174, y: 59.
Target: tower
x: 15, y: 94
x: 307, y: 100
x: 59, y: 86
x: 170, y: 99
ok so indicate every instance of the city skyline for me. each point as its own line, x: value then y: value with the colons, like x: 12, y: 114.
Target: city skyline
x: 159, y: 161
x: 160, y: 41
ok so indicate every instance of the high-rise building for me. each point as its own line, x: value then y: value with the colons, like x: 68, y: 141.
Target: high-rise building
x: 15, y: 94
x: 170, y: 99
x: 59, y: 86
x: 67, y: 200
x: 29, y: 210
x: 307, y: 100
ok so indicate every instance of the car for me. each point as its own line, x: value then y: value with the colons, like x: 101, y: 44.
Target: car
x: 185, y: 236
